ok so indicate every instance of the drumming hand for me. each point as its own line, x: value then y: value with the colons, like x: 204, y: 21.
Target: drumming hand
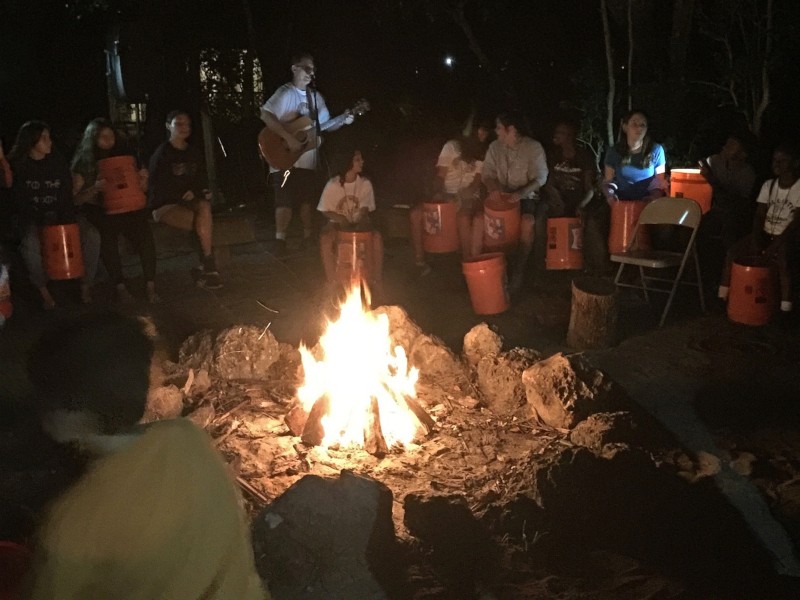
x: 99, y: 186
x: 188, y: 196
x: 349, y: 119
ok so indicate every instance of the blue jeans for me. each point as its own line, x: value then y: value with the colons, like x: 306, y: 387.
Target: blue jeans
x: 31, y: 251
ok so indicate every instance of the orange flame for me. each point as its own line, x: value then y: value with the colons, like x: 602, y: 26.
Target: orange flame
x: 358, y: 364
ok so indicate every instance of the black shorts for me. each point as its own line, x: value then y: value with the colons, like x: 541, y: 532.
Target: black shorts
x: 300, y: 187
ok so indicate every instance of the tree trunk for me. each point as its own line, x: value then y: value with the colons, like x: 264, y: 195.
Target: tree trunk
x: 631, y: 44
x: 211, y: 164
x: 593, y: 322
x: 682, y: 16
x: 611, y: 80
x: 765, y: 82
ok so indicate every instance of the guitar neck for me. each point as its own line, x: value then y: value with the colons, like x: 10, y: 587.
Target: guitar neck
x: 335, y: 122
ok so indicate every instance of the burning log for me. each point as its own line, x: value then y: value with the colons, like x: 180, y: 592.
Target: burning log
x: 296, y: 419
x: 424, y: 421
x: 374, y: 442
x: 314, y: 431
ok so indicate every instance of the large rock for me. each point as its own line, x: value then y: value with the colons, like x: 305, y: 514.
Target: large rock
x: 164, y: 402
x: 328, y: 538
x: 622, y: 427
x: 479, y: 342
x: 460, y: 546
x: 499, y: 378
x: 402, y: 330
x: 244, y: 352
x: 197, y: 351
x: 428, y: 353
x: 434, y: 359
x: 564, y: 391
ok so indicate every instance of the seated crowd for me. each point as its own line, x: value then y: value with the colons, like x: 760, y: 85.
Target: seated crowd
x: 473, y: 171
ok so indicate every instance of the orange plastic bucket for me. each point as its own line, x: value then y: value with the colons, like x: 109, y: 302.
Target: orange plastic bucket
x: 752, y: 297
x: 354, y: 261
x: 689, y: 183
x: 624, y: 216
x: 122, y: 191
x: 440, y: 227
x: 15, y: 562
x: 61, y: 251
x: 486, y: 280
x: 501, y: 223
x: 564, y: 243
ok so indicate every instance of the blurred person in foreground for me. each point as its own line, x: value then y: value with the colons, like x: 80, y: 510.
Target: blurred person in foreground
x: 155, y: 515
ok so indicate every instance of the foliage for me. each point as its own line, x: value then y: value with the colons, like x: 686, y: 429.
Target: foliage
x: 231, y: 83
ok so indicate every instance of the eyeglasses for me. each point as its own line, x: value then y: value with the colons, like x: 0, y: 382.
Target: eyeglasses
x: 307, y: 68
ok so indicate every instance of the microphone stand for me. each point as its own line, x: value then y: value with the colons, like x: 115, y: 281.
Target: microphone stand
x: 312, y: 87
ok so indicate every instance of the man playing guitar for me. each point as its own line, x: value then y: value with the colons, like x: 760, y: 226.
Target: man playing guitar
x: 298, y: 185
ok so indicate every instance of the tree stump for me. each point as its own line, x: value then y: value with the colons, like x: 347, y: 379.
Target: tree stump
x: 593, y: 321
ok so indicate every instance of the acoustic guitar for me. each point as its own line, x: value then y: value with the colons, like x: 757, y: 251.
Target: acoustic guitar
x: 275, y: 150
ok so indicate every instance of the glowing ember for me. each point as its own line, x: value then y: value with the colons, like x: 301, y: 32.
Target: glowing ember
x: 358, y: 365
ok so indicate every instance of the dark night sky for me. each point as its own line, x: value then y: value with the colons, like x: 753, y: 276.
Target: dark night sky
x: 52, y: 64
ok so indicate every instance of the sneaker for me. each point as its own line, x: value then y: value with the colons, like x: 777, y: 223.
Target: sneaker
x: 208, y: 280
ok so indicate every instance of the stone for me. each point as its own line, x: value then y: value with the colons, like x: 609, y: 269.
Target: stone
x: 327, y: 538
x: 202, y: 416
x: 165, y: 402
x: 402, y: 330
x: 202, y: 381
x: 564, y: 391
x: 244, y: 352
x: 480, y: 341
x: 499, y: 379
x: 434, y: 359
x: 461, y: 548
x: 601, y: 429
x: 197, y: 351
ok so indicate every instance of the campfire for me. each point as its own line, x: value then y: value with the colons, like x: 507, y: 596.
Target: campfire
x: 358, y: 390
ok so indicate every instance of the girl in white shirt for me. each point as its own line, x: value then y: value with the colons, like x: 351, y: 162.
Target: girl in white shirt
x: 347, y: 201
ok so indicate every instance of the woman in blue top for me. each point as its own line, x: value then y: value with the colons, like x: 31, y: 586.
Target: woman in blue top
x: 634, y: 167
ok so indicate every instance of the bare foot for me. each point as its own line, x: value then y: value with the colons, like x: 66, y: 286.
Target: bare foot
x: 47, y: 300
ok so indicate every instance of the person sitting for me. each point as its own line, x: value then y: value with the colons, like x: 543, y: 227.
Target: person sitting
x: 458, y: 180
x: 42, y: 190
x: 99, y: 141
x: 347, y: 201
x: 732, y: 180
x: 570, y: 190
x: 155, y: 514
x: 775, y: 223
x: 179, y: 194
x: 516, y: 164
x: 634, y: 168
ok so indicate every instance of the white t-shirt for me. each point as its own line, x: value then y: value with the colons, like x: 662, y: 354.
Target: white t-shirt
x: 460, y: 174
x: 288, y: 103
x: 781, y: 205
x: 347, y: 199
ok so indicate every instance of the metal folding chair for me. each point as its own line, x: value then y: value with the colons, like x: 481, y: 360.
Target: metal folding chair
x: 663, y: 211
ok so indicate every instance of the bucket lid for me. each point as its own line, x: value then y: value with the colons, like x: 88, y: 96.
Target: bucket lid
x: 482, y: 261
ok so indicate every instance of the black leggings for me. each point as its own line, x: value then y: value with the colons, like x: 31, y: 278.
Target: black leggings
x: 136, y: 229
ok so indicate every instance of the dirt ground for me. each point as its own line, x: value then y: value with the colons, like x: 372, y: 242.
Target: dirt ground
x: 724, y: 390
